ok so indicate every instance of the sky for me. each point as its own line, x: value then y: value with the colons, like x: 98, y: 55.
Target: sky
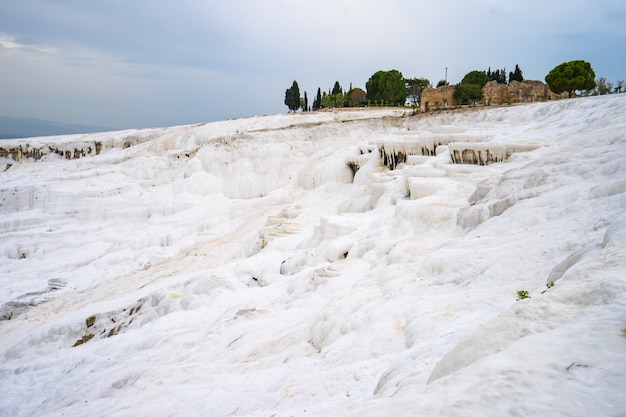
x: 151, y: 63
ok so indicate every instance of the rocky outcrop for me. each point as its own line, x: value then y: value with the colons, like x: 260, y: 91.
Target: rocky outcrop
x: 479, y: 153
x: 20, y: 152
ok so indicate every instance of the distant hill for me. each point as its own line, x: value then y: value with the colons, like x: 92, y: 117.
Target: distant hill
x: 27, y: 127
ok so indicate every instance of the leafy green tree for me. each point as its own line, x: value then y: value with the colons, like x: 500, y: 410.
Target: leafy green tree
x: 604, y: 86
x: 356, y: 97
x: 332, y: 100
x: 387, y: 87
x: 571, y: 76
x: 292, y: 97
x: 470, y: 89
x: 306, y: 102
x: 415, y: 86
x: 468, y: 93
x: 441, y: 83
x: 479, y: 78
x: 516, y: 75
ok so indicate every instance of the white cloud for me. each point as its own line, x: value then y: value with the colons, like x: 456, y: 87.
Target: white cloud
x: 8, y: 42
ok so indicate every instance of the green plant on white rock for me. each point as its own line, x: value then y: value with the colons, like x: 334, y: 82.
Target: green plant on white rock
x: 523, y: 294
x: 548, y: 285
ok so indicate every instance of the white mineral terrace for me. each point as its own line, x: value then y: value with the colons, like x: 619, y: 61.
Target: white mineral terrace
x: 353, y: 263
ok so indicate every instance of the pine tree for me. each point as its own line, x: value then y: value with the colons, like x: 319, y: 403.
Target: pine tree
x: 570, y: 77
x: 306, y: 102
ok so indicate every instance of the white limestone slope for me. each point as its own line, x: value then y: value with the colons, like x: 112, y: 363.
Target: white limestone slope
x: 243, y: 268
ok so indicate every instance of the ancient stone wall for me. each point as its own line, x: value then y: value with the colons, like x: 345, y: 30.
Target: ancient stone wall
x: 518, y: 92
x: 495, y: 94
x: 437, y: 98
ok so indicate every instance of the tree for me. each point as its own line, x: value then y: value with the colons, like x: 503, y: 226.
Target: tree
x: 332, y: 100
x: 470, y: 89
x: 356, y: 97
x: 337, y: 88
x: 468, y: 93
x: 604, y: 86
x: 415, y: 86
x: 442, y: 83
x: 387, y: 87
x: 516, y: 75
x: 317, y: 102
x: 306, y: 103
x: 292, y: 97
x: 571, y: 76
x: 479, y: 78
x: 498, y: 75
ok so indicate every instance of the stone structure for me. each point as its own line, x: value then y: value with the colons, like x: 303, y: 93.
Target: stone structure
x: 437, y: 98
x: 495, y: 94
x: 518, y: 92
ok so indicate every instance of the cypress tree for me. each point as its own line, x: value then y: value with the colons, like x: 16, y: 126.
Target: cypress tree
x: 292, y: 97
x: 317, y: 103
x: 516, y: 75
x: 498, y: 75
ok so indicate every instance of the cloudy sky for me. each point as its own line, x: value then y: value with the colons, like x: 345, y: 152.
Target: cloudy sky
x: 148, y: 63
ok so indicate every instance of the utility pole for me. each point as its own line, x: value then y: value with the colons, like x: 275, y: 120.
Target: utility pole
x: 445, y: 90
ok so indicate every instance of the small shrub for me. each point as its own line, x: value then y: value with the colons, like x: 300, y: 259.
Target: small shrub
x: 522, y: 294
x: 548, y: 285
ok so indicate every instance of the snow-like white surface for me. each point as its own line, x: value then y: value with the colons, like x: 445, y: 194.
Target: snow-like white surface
x: 240, y: 268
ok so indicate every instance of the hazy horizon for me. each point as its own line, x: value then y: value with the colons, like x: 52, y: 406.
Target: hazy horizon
x: 157, y: 63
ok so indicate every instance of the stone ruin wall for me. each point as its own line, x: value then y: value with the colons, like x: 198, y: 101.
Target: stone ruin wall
x: 437, y: 98
x: 518, y: 92
x: 495, y: 94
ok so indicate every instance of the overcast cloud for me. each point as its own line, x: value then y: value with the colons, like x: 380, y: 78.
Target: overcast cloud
x: 145, y: 63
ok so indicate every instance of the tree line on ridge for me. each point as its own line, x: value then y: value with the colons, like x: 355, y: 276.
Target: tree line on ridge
x: 391, y: 88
